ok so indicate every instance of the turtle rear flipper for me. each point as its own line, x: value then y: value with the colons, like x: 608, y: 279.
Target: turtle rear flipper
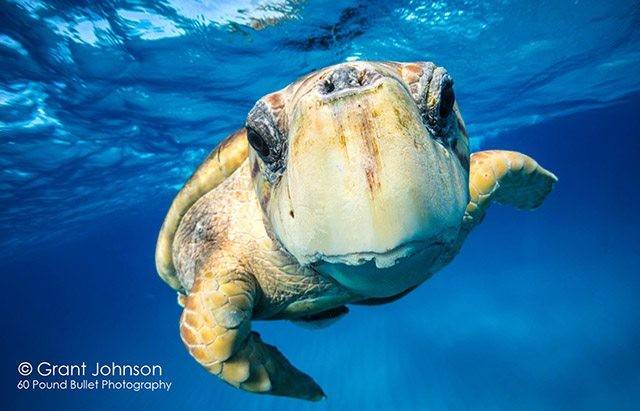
x: 216, y: 328
x: 507, y: 177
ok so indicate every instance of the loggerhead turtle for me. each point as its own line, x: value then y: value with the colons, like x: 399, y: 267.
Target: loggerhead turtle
x: 352, y: 185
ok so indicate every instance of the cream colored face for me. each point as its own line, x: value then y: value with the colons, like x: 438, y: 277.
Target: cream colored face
x: 362, y: 171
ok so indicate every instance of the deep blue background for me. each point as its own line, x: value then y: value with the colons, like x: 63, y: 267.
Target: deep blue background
x: 107, y: 107
x: 540, y: 310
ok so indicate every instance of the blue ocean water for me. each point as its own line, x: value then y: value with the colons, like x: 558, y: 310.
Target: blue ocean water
x: 107, y: 107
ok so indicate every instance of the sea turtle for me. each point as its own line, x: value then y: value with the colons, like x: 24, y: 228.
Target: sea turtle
x: 352, y: 185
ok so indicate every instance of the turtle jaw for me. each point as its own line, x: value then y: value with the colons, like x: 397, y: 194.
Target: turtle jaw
x: 389, y: 273
x: 383, y: 259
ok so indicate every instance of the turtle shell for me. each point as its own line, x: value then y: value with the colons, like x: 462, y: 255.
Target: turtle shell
x: 218, y: 165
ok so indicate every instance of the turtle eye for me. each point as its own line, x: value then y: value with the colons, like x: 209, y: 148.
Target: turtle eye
x: 267, y: 139
x: 258, y: 143
x: 447, y: 98
x: 439, y: 102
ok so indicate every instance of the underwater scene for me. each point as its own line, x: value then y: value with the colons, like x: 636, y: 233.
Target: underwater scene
x: 107, y: 108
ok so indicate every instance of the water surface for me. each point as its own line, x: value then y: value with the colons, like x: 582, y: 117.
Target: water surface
x: 106, y: 108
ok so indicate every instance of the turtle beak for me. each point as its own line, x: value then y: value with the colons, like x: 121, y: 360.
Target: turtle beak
x: 363, y: 176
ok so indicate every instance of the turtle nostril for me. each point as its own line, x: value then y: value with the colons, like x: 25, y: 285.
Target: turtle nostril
x: 346, y: 77
x: 328, y: 87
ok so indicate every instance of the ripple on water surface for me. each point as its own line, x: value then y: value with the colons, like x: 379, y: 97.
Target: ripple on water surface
x: 106, y: 106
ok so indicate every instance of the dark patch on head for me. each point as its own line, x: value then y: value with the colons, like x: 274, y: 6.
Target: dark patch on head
x: 292, y: 214
x: 370, y: 144
x: 255, y: 169
x: 372, y: 179
x: 275, y: 101
x: 265, y: 196
x: 339, y: 130
x: 342, y: 141
x: 417, y: 77
x: 413, y: 69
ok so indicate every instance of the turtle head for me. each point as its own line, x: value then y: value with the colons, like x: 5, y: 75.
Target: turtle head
x: 361, y: 170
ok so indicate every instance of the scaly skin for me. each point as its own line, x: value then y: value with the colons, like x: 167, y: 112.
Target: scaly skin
x: 234, y: 271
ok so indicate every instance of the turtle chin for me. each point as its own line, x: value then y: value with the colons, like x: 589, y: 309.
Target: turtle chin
x: 389, y: 273
x: 385, y: 259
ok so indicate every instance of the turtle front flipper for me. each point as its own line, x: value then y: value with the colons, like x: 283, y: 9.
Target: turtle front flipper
x: 507, y: 177
x: 215, y: 327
